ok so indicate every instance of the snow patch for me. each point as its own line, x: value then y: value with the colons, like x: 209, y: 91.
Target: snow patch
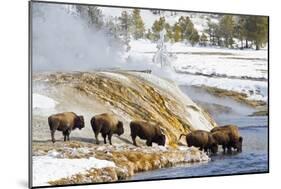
x: 43, y: 102
x: 47, y: 168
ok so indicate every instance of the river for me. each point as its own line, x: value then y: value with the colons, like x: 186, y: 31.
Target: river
x: 253, y: 159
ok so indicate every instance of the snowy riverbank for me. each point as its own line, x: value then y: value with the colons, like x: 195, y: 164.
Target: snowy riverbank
x: 78, y: 162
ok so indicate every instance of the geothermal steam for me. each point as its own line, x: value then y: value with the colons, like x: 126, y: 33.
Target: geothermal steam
x: 62, y: 40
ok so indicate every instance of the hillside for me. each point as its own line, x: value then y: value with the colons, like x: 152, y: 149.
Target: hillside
x: 130, y: 95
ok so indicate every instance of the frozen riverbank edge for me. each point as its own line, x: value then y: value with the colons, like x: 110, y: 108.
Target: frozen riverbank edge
x: 103, y: 163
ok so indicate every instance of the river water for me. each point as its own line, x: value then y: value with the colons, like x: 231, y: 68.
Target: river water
x: 253, y: 159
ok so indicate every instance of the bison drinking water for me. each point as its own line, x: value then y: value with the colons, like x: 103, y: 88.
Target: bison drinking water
x: 65, y: 122
x: 201, y: 139
x: 107, y: 125
x: 228, y: 136
x: 145, y: 130
x: 222, y: 139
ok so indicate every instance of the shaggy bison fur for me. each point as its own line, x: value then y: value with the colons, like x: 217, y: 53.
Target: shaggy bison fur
x: 231, y: 133
x: 147, y: 131
x: 65, y: 122
x: 201, y: 139
x: 107, y: 125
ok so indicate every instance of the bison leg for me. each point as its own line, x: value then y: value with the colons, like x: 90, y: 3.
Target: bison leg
x: 134, y: 140
x: 53, y: 136
x: 229, y: 149
x: 64, y: 135
x: 96, y: 136
x: 109, y: 138
x: 149, y: 143
x: 223, y: 147
x: 53, y: 128
x: 104, y: 138
x: 67, y: 134
x: 206, y: 149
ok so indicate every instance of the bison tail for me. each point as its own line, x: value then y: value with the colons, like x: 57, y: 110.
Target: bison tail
x: 50, y: 123
x: 93, y: 122
x: 132, y: 125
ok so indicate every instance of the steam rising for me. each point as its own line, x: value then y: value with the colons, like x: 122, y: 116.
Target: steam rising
x: 62, y: 40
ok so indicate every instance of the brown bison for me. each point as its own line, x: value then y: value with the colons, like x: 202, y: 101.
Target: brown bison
x: 234, y: 140
x: 147, y: 131
x: 201, y: 139
x: 223, y: 139
x: 107, y: 125
x: 65, y: 122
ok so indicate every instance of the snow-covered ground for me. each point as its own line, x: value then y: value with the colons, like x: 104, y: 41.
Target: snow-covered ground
x: 231, y: 69
x: 51, y: 167
x: 42, y: 104
x: 244, y: 71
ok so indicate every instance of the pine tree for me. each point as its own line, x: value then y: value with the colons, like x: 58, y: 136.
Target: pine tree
x: 188, y: 30
x: 91, y: 14
x: 138, y: 24
x: 169, y: 34
x: 124, y: 24
x: 82, y: 11
x: 149, y: 35
x: 203, y: 40
x: 95, y: 17
x: 211, y: 31
x: 111, y: 28
x: 183, y: 22
x: 192, y: 33
x: 124, y: 21
x: 158, y: 26
x: 226, y: 28
x: 177, y: 34
x: 240, y: 29
x: 217, y: 35
x: 194, y: 37
x: 257, y: 30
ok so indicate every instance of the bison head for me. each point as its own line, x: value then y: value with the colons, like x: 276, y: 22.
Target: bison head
x: 213, y: 145
x: 79, y: 122
x: 214, y: 148
x: 161, y: 140
x: 120, y: 129
x: 239, y: 144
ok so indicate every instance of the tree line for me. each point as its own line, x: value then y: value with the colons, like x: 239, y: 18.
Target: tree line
x: 227, y: 31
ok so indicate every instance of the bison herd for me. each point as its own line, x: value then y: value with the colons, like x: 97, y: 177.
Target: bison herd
x: 108, y: 124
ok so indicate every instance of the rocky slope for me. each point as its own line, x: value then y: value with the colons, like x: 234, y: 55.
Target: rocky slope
x: 130, y: 95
